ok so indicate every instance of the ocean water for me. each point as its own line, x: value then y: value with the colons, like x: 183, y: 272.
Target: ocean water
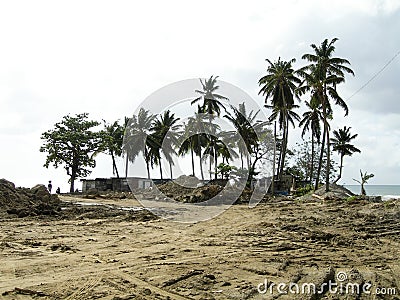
x: 386, y: 191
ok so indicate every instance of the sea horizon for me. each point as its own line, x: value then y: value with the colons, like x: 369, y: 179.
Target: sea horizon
x: 387, y: 191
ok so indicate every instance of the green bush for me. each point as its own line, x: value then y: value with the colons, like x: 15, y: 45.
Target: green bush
x: 304, y: 190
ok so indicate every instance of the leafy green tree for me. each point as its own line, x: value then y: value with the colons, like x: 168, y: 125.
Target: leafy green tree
x: 301, y: 160
x: 73, y: 144
x: 342, y: 144
x: 225, y: 170
x: 364, y: 179
x: 279, y: 85
x: 322, y: 75
x: 113, y: 139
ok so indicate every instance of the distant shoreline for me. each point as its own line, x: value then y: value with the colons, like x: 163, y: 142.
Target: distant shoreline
x: 387, y: 191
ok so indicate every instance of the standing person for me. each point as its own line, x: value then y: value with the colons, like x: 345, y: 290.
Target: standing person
x: 49, y: 186
x: 58, y: 190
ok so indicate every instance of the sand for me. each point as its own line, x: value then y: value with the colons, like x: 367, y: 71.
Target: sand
x: 89, y: 255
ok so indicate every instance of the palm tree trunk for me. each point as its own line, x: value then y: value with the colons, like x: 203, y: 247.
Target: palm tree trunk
x: 114, y: 164
x: 201, y: 166
x: 170, y: 170
x: 321, y: 156
x: 340, y: 169
x: 126, y: 166
x: 328, y: 160
x: 146, y: 159
x: 161, y: 170
x: 191, y: 152
x: 312, y: 157
x: 285, y: 141
x: 279, y: 163
x: 241, y: 158
x: 215, y: 164
x: 210, y: 167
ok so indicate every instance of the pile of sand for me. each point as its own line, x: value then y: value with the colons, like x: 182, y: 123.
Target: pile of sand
x: 27, y: 202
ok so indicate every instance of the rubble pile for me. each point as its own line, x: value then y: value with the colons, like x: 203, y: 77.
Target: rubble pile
x: 24, y: 202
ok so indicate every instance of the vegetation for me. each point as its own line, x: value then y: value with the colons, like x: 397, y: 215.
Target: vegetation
x: 341, y: 144
x: 364, y: 179
x: 73, y: 144
x: 159, y: 138
x: 321, y: 77
x: 301, y: 160
x: 113, y: 139
x: 279, y: 85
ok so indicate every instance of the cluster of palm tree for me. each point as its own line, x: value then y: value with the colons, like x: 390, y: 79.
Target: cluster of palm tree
x: 318, y: 80
x: 162, y: 137
x: 158, y: 137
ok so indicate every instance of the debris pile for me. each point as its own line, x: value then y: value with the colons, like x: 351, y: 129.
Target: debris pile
x: 25, y: 202
x: 185, y: 194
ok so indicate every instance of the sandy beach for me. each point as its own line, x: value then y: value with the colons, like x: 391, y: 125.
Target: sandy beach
x: 95, y: 253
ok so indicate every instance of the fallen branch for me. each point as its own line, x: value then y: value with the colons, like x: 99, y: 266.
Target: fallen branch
x: 183, y: 277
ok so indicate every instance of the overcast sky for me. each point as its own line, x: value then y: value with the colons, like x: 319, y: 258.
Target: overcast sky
x: 105, y: 57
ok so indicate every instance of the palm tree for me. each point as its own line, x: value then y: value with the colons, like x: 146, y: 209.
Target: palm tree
x: 195, y: 138
x: 165, y: 137
x: 114, y: 135
x: 328, y: 71
x: 137, y: 132
x: 341, y: 144
x: 311, y: 122
x: 211, y: 101
x: 244, y: 134
x: 280, y: 85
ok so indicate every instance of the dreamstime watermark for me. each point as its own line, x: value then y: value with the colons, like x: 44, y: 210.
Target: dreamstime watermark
x: 184, y: 100
x: 339, y: 286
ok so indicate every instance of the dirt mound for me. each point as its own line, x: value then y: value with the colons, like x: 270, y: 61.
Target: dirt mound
x: 190, y: 195
x: 27, y: 202
x: 335, y: 192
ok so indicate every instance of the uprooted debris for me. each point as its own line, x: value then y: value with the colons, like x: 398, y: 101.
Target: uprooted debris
x: 190, y: 195
x: 338, y: 192
x: 27, y: 202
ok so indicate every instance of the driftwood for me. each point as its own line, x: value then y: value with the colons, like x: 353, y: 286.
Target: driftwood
x: 183, y: 277
x: 21, y: 291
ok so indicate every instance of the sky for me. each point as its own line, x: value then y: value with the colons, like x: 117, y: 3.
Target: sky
x: 106, y: 57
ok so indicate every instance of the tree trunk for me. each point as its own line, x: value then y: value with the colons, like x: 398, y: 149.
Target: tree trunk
x: 241, y: 158
x: 363, y: 193
x: 146, y: 158
x: 215, y: 164
x: 312, y: 158
x: 274, y: 164
x: 191, y: 152
x: 114, y: 165
x: 279, y: 162
x: 170, y: 170
x: 161, y: 171
x: 326, y: 131
x: 284, y: 148
x: 340, y: 169
x: 126, y: 166
x: 210, y: 169
x: 201, y: 166
x: 72, y: 181
x: 321, y: 156
x: 328, y: 160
